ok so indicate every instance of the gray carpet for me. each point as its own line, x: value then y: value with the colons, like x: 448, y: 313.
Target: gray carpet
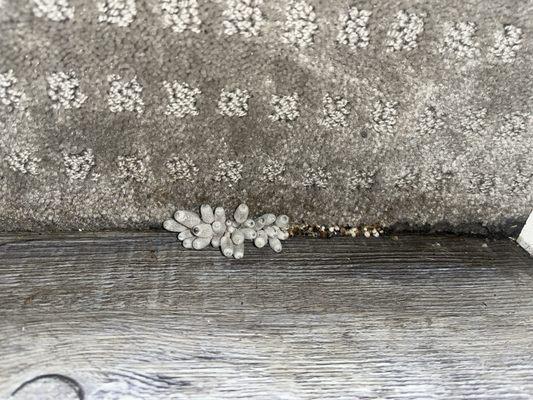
x: 400, y: 113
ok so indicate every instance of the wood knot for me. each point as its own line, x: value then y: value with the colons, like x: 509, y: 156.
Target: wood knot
x: 49, y: 386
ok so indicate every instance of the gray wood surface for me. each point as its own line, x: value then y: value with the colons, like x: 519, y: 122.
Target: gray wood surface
x: 135, y: 316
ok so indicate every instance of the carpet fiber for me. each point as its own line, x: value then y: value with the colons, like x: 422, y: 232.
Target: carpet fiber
x: 114, y: 113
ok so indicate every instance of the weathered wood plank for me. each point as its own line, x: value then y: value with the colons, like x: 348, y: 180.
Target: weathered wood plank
x: 133, y: 314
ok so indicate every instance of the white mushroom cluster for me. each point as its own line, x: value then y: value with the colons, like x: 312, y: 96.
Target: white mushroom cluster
x: 213, y: 227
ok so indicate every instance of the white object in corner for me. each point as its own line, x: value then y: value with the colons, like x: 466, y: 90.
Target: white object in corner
x: 526, y: 236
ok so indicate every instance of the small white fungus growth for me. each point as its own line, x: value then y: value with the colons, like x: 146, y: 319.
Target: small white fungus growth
x: 384, y: 116
x: 353, y: 28
x: 182, y: 99
x: 508, y: 42
x: 473, y: 122
x: 430, y: 122
x: 78, y: 166
x: 124, y: 95
x: 301, y: 26
x: 181, y: 15
x: 316, y: 178
x: 273, y: 171
x: 117, y: 12
x: 9, y: 96
x: 132, y: 169
x: 182, y: 169
x: 23, y: 161
x: 64, y: 90
x: 460, y: 39
x: 218, y: 229
x: 229, y: 171
x: 335, y: 112
x: 54, y: 10
x: 404, y: 31
x: 285, y: 108
x: 233, y: 103
x: 243, y: 17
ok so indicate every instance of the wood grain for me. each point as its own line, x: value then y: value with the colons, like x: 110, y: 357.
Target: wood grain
x: 135, y: 316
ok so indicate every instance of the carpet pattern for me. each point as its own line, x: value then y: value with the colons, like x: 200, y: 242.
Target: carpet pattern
x: 114, y: 113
